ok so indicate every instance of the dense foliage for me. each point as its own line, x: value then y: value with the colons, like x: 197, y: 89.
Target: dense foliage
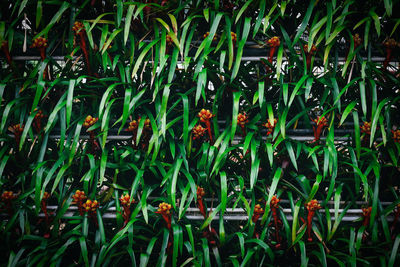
x: 199, y: 132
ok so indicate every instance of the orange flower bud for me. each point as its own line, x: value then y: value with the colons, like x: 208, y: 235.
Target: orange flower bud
x: 396, y: 136
x: 366, y: 128
x: 313, y: 205
x: 274, y: 41
x: 89, y: 121
x: 242, y: 119
x: 198, y: 131
x: 205, y: 115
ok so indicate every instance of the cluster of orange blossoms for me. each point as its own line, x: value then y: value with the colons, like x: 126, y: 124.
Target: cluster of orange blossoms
x: 205, y: 117
x: 234, y: 37
x: 242, y: 119
x: 79, y: 197
x: 312, y: 50
x: 198, y: 131
x: 396, y: 136
x: 89, y: 121
x: 270, y: 126
x: 200, y: 194
x: 366, y: 213
x: 37, y: 123
x: 17, y: 131
x: 390, y: 43
x: 165, y: 210
x: 8, y: 196
x: 125, y: 200
x: 311, y: 207
x: 78, y: 26
x: 39, y: 42
x: 46, y: 196
x: 258, y: 211
x: 366, y: 128
x: 91, y: 206
x: 357, y: 40
x: 169, y: 40
x: 321, y: 122
x: 133, y: 125
x: 215, y: 38
x: 274, y: 41
x: 274, y: 202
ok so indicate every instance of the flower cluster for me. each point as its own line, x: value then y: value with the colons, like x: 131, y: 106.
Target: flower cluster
x: 205, y: 116
x: 169, y: 40
x: 8, y: 196
x: 39, y: 43
x: 215, y: 38
x: 396, y: 136
x: 79, y: 197
x: 234, y: 37
x: 126, y: 200
x: 37, y: 121
x: 258, y: 211
x: 366, y: 213
x: 357, y: 40
x: 242, y: 119
x: 390, y: 43
x: 311, y: 207
x: 274, y: 204
x: 89, y: 121
x: 320, y: 122
x: 165, y: 210
x: 312, y: 50
x: 126, y: 203
x: 274, y: 42
x: 133, y: 126
x: 366, y: 128
x: 78, y: 26
x: 270, y: 126
x: 198, y: 131
x: 91, y: 206
x: 17, y: 131
x: 200, y: 194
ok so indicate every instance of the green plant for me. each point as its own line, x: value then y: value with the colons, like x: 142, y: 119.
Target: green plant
x: 283, y: 111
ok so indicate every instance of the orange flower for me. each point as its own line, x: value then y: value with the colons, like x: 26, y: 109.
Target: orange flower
x: 313, y: 205
x: 8, y: 196
x: 274, y: 41
x: 169, y: 40
x: 312, y: 51
x: 390, y: 43
x: 396, y: 136
x: 270, y: 126
x: 258, y: 211
x: 242, y: 119
x: 205, y: 115
x: 89, y: 121
x: 198, y: 131
x: 357, y: 40
x: 91, y: 206
x: 46, y: 196
x: 208, y: 33
x: 321, y: 121
x: 78, y: 26
x: 39, y: 42
x: 275, y: 202
x: 366, y: 128
x: 165, y: 210
x: 125, y: 200
x: 133, y: 125
x: 200, y: 192
x: 233, y: 36
x: 79, y: 196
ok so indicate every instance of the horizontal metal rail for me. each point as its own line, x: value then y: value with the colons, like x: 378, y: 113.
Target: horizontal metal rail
x: 236, y: 214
